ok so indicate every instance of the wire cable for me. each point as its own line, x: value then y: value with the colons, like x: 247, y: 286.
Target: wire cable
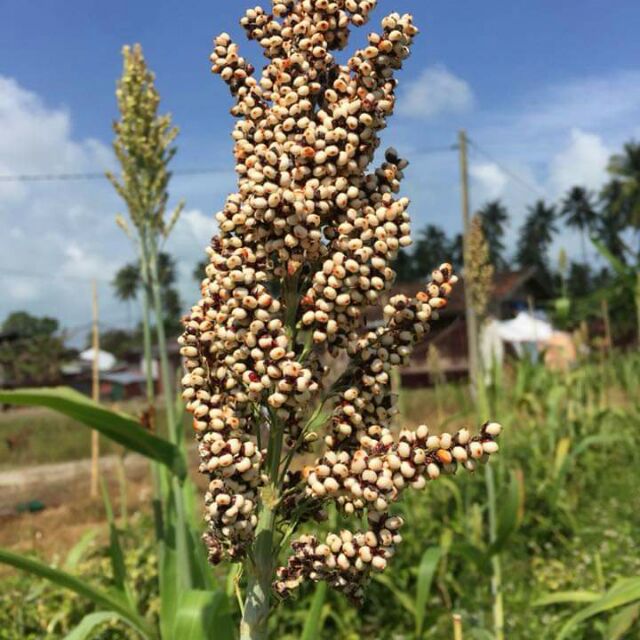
x: 95, y: 175
x: 511, y: 174
x: 99, y: 175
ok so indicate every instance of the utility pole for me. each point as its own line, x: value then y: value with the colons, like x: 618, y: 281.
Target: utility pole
x: 470, y: 314
x: 95, y: 389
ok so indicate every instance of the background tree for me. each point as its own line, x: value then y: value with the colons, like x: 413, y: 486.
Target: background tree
x: 456, y: 250
x: 34, y: 351
x: 199, y: 269
x: 535, y: 237
x: 494, y: 218
x: 579, y: 280
x: 128, y: 282
x: 431, y: 247
x: 625, y: 167
x: 579, y: 213
x: 119, y: 342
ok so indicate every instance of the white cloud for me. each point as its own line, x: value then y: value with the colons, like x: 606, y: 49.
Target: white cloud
x: 201, y: 226
x: 543, y: 142
x: 592, y: 102
x: 489, y: 179
x: 436, y: 91
x: 22, y: 289
x: 582, y: 162
x: 58, y: 236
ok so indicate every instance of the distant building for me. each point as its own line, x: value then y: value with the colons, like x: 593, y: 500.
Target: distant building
x: 512, y: 291
x: 122, y: 385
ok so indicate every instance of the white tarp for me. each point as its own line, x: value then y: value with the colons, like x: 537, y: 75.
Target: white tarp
x: 525, y: 328
x: 106, y: 360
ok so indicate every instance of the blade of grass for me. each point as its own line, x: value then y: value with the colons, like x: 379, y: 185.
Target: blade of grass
x: 88, y: 624
x: 117, y: 426
x: 314, y: 620
x: 202, y: 615
x: 106, y: 599
x: 426, y: 571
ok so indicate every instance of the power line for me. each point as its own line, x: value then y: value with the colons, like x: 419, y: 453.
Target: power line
x: 100, y: 175
x: 424, y: 150
x: 95, y: 175
x: 45, y: 276
x: 514, y: 176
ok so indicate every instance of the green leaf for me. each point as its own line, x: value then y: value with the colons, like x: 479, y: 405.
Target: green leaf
x: 510, y: 512
x: 562, y: 449
x: 168, y: 583
x: 117, y: 426
x: 473, y: 554
x: 89, y: 623
x: 426, y: 571
x: 104, y: 599
x: 564, y: 597
x: 116, y: 554
x: 402, y: 597
x: 625, y: 592
x: 79, y: 549
x: 314, y: 619
x: 617, y: 265
x: 202, y: 615
x: 481, y: 634
x: 620, y: 623
x: 584, y: 445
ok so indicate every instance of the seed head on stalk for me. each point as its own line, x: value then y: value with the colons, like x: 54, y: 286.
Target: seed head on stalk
x: 144, y: 147
x: 306, y: 245
x: 479, y: 270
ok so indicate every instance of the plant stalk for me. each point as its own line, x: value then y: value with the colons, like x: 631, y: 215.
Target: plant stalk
x: 182, y: 543
x: 146, y: 322
x: 257, y: 606
x: 496, y: 565
x: 158, y: 517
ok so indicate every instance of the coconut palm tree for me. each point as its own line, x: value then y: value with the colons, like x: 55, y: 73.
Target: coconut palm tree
x: 198, y: 270
x: 126, y: 282
x: 432, y: 247
x: 495, y: 218
x: 535, y: 237
x: 579, y: 213
x: 612, y: 220
x: 625, y: 167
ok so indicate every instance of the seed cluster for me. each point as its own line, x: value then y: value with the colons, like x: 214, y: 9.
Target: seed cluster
x: 345, y: 560
x: 306, y: 245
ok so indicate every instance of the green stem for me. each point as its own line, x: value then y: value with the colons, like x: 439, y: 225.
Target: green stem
x: 496, y: 566
x: 484, y: 408
x: 255, y: 617
x: 146, y: 321
x: 637, y: 296
x: 182, y: 542
x: 148, y: 365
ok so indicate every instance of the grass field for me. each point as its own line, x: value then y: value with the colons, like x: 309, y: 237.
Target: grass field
x: 567, y: 498
x: 37, y: 436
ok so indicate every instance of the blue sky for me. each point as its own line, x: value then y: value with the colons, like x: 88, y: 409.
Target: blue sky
x: 548, y: 89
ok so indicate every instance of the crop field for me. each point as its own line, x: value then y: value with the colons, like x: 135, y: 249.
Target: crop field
x: 568, y: 512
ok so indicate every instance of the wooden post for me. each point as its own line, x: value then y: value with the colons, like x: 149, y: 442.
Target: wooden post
x: 95, y: 388
x: 470, y: 314
x: 457, y: 626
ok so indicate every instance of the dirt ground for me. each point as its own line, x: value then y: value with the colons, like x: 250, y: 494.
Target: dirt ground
x: 69, y: 511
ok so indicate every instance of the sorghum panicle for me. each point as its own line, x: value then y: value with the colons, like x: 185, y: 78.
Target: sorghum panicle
x: 306, y: 245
